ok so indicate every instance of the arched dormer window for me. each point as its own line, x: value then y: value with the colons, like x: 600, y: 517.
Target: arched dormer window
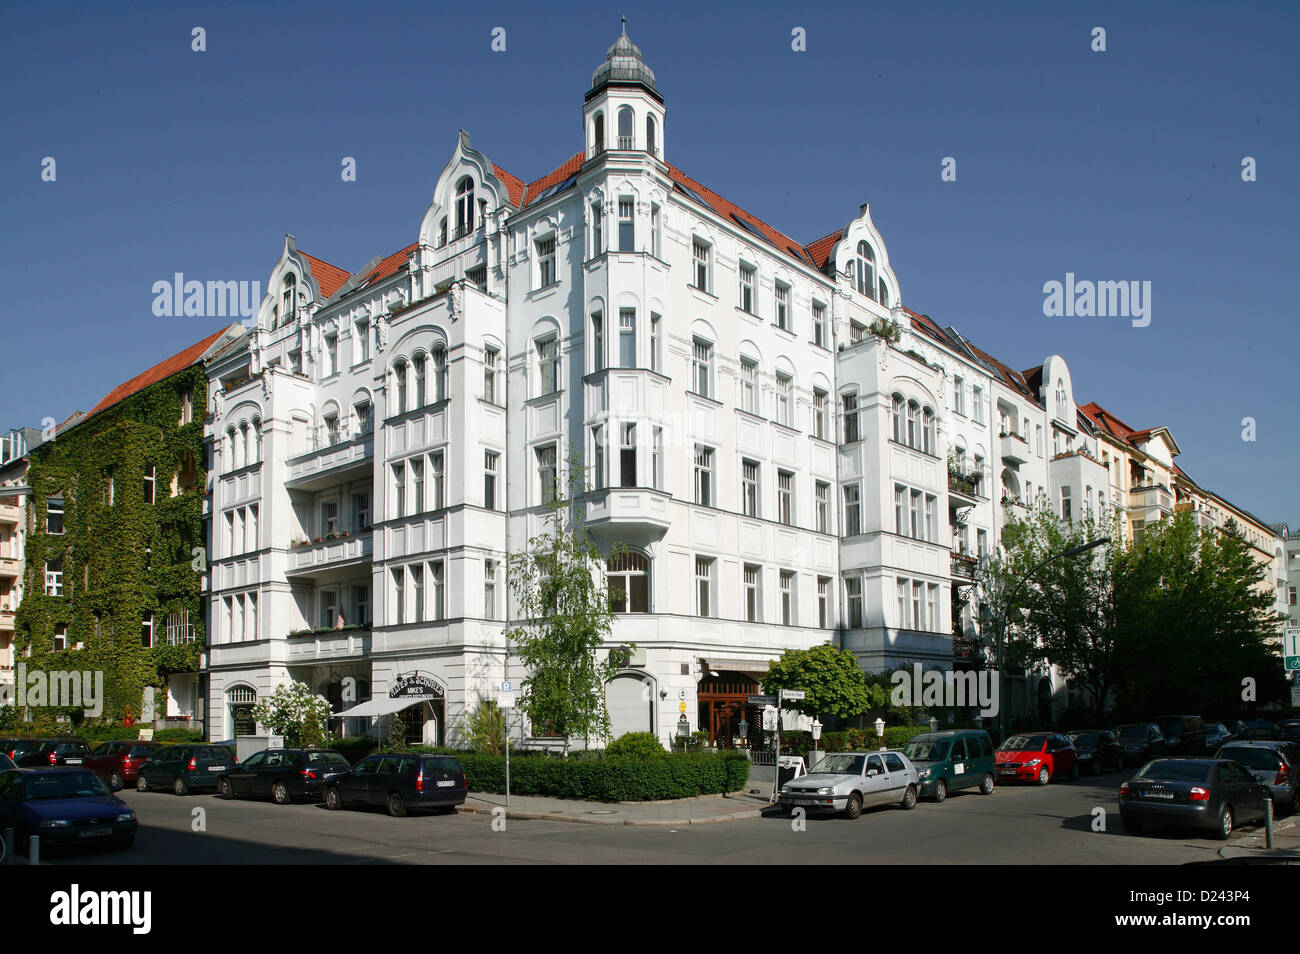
x: 288, y: 298
x: 464, y: 206
x: 1060, y: 396
x: 898, y: 410
x: 626, y: 128
x: 628, y: 577
x: 866, y: 270
x: 651, y: 137
x: 598, y: 135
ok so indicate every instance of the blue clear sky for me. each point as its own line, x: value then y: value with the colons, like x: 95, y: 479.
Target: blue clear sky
x: 1117, y: 165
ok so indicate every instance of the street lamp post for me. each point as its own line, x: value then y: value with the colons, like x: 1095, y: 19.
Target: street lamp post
x: 1006, y: 608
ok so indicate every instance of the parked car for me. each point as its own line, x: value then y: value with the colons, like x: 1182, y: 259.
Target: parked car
x: 1272, y: 763
x: 1099, y: 751
x: 1212, y: 794
x: 948, y: 761
x: 185, y: 768
x: 1184, y: 734
x: 116, y: 763
x: 851, y: 781
x: 1141, y: 742
x: 1037, y: 757
x: 399, y: 783
x: 1217, y: 734
x: 1260, y: 729
x: 6, y: 763
x: 283, y: 774
x: 55, y: 752
x: 1288, y: 730
x: 63, y: 806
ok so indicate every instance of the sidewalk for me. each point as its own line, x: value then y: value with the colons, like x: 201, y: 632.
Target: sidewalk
x: 1251, y: 847
x: 702, y: 810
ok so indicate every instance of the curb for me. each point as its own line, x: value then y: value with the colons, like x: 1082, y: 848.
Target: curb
x: 631, y: 822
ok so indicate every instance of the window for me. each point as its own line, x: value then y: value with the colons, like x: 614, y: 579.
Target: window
x: 819, y: 413
x: 651, y: 140
x: 547, y: 477
x: 1038, y: 439
x: 656, y: 361
x: 1066, y: 513
x: 902, y: 604
x: 54, y: 577
x: 702, y: 375
x: 597, y: 241
x: 360, y: 512
x: 60, y: 637
x: 958, y: 396
x: 417, y: 597
x: 927, y: 431
x: 546, y: 262
x: 656, y: 231
x: 784, y: 399
x: 332, y: 435
x: 598, y: 457
x: 437, y: 590
x: 918, y: 608
x: 749, y: 487
x: 399, y: 376
x: 785, y: 497
x: 288, y: 298
x: 439, y: 373
x: 852, y: 510
x: 657, y: 459
x: 884, y: 293
x: 627, y: 456
x: 399, y: 489
x: 748, y: 386
x: 626, y: 134
x: 330, y: 357
x: 187, y: 407
x: 626, y: 225
x: 977, y: 404
x: 900, y: 510
x: 704, y: 586
x: 477, y: 276
x: 823, y: 500
x: 982, y: 543
x: 399, y: 595
x: 747, y: 275
x: 753, y: 594
x: 491, y: 358
x: 548, y: 365
x: 490, y: 589
x: 54, y: 515
x: 146, y: 630
x: 853, y: 601
x: 866, y: 271
x: 597, y: 341
x: 913, y: 424
x: 783, y: 306
x: 329, y: 518
x: 703, y: 477
x: 149, y: 483
x: 820, y: 338
x: 417, y: 486
x: 915, y: 513
x: 464, y: 206
x: 421, y: 392
x: 490, y: 480
x: 787, y: 598
x: 627, y: 576
x: 823, y: 601
x: 627, y: 337
x: 700, y: 258
x: 931, y: 518
x: 850, y: 403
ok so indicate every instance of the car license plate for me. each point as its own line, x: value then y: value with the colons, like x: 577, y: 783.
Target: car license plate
x: 72, y: 761
x: 1159, y: 794
x: 1006, y: 771
x: 216, y: 768
x: 446, y: 783
x: 94, y: 832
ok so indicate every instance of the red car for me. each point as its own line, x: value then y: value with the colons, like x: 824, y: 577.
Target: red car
x: 1036, y: 757
x: 117, y: 762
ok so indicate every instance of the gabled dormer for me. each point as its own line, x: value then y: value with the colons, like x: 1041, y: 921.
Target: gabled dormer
x: 470, y: 191
x: 859, y: 262
x: 623, y: 111
x: 294, y: 286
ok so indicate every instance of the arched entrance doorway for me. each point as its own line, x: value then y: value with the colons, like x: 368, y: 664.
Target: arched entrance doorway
x: 723, y: 704
x: 240, y: 701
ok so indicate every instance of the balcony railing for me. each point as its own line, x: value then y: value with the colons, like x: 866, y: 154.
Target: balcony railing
x: 1013, y: 447
x: 968, y: 482
x: 1150, y: 495
x: 964, y: 566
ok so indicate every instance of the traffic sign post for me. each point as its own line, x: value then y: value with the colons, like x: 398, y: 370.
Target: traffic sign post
x: 1291, y: 648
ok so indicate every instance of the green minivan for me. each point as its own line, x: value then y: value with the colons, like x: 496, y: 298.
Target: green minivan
x: 956, y: 759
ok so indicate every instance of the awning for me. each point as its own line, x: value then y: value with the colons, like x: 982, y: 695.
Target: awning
x: 757, y: 666
x: 382, y: 706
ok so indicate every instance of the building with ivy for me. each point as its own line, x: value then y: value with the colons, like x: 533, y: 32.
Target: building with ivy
x: 114, y: 548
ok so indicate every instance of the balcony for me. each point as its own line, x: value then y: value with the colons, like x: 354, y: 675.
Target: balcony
x: 330, y: 558
x: 352, y: 642
x: 630, y: 509
x: 330, y: 464
x: 1151, y: 497
x: 1014, y: 449
x: 964, y: 487
x: 963, y: 567
x: 6, y: 620
x: 9, y: 566
x: 1203, y: 519
x: 10, y: 514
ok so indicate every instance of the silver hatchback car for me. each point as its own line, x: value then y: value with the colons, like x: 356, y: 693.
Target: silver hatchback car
x: 851, y: 781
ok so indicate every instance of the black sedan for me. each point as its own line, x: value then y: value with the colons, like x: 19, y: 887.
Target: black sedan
x: 47, y: 753
x: 63, y: 807
x: 1141, y: 741
x: 1099, y: 751
x: 1210, y: 794
x: 283, y: 774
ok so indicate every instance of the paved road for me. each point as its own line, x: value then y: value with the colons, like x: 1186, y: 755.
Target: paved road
x: 1015, y: 825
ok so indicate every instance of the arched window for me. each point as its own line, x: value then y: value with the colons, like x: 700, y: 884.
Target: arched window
x: 250, y: 435
x: 230, y: 448
x: 898, y: 418
x: 241, y: 445
x: 420, y: 393
x: 628, y: 576
x: 927, y: 431
x: 913, y: 424
x: 651, y: 139
x: 598, y: 135
x: 884, y: 293
x: 439, y: 373
x: 288, y: 298
x: 464, y: 206
x: 626, y: 129
x: 866, y: 270
x: 399, y: 376
x: 257, y: 440
x: 442, y: 231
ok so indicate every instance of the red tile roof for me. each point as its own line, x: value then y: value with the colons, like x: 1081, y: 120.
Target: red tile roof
x: 727, y: 209
x: 820, y: 250
x: 568, y: 168
x: 514, y: 185
x: 164, y: 369
x: 1108, y: 422
x: 329, y: 277
x: 390, y: 265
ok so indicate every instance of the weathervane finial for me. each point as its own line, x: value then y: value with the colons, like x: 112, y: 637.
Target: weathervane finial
x: 624, y: 19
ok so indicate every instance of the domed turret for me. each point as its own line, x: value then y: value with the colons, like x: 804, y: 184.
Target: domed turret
x: 623, y: 66
x: 623, y: 111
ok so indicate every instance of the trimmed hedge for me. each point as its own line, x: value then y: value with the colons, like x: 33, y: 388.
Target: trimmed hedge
x: 92, y: 735
x: 609, y: 779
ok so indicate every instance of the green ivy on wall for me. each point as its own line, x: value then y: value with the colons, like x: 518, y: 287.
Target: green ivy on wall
x: 124, y: 559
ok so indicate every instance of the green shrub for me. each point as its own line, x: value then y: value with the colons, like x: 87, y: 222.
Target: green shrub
x: 610, y: 779
x: 636, y: 745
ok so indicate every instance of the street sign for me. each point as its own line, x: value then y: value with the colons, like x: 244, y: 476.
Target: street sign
x: 681, y: 707
x: 1291, y: 647
x: 506, y: 687
x: 793, y: 695
x: 1292, y: 663
x: 762, y: 700
x: 505, y: 700
x: 769, y: 720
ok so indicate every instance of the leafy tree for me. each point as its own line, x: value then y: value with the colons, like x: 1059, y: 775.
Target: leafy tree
x: 565, y: 614
x: 485, y: 728
x: 834, y: 683
x: 295, y: 712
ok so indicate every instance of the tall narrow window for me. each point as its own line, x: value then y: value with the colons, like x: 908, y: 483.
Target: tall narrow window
x: 931, y: 518
x: 747, y: 281
x: 749, y: 487
x: 819, y: 413
x: 360, y: 512
x: 399, y: 595
x: 548, y: 363
x: 850, y: 403
x: 150, y: 483
x: 547, y: 481
x: 626, y: 225
x: 399, y: 378
x: 626, y: 132
x: 54, y: 577
x: 627, y: 337
x: 900, y: 510
x: 399, y: 489
x: 702, y: 375
x: 915, y: 514
x: 823, y: 502
x: 627, y: 456
x: 464, y: 206
x: 927, y: 431
x: 703, y: 476
x: 958, y: 395
x: 54, y: 515
x: 899, y: 409
x: 853, y: 601
x: 932, y: 598
x: 787, y: 598
x: 783, y: 306
x: 491, y: 360
x: 437, y: 585
x: 820, y: 338
x: 490, y: 480
x: 656, y: 232
x: 597, y: 341
x: 918, y: 607
x: 901, y: 590
x: 785, y: 497
x: 146, y: 630
x: 360, y: 340
x: 657, y: 460
x: 651, y: 139
x: 546, y: 274
x: 748, y: 386
x: 1066, y: 511
x: 866, y: 271
x: 700, y: 258
x: 913, y: 424
x: 824, y: 602
x: 289, y: 299
x: 753, y: 594
x: 597, y: 230
x: 417, y: 486
x: 703, y: 586
x: 331, y: 354
x: 417, y: 595
x: 656, y: 328
x: 439, y: 373
x: 852, y: 510
x: 784, y: 399
x: 490, y: 589
x: 598, y: 457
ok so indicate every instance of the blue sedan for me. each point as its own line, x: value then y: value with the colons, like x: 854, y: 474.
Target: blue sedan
x: 63, y: 807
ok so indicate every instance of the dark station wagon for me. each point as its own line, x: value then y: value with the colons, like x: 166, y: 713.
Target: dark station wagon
x: 400, y: 783
x: 185, y: 768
